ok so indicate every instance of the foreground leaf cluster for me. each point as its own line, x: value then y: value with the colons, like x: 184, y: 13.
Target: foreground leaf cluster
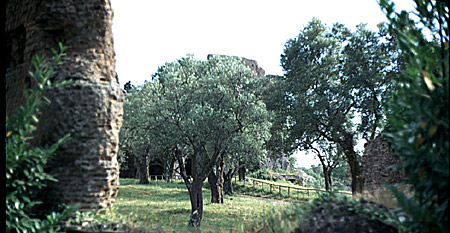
x: 25, y: 163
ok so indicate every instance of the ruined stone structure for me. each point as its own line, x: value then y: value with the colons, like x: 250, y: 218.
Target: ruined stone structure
x: 260, y: 72
x: 90, y: 108
x: 379, y: 165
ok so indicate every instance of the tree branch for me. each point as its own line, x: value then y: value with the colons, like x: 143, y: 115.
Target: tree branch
x: 182, y: 169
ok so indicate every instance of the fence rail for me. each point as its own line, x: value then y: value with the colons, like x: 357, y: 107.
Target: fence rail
x: 258, y: 185
x: 164, y: 177
x: 299, y: 192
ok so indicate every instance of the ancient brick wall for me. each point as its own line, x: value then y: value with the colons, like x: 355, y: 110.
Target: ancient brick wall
x: 90, y: 108
x: 252, y: 64
x: 379, y: 165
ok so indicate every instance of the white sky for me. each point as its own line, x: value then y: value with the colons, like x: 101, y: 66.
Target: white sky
x: 149, y: 33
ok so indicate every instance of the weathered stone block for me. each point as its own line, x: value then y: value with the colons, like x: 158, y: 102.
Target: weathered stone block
x: 380, y: 165
x: 252, y: 64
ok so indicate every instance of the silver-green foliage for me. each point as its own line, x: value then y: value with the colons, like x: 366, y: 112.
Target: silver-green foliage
x: 203, y: 104
x: 203, y: 109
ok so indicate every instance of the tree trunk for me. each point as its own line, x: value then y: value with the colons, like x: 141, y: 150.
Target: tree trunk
x: 171, y: 170
x: 227, y: 183
x: 143, y: 169
x: 330, y: 171
x: 353, y: 162
x: 195, y: 187
x: 220, y: 178
x: 325, y: 170
x: 195, y: 194
x: 212, y: 181
x: 327, y: 177
x: 242, y: 171
x: 215, y: 181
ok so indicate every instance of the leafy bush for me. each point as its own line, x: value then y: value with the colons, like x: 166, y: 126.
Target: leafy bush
x: 330, y: 211
x: 355, y: 215
x: 104, y: 219
x: 258, y: 174
x: 25, y: 164
x: 419, y: 114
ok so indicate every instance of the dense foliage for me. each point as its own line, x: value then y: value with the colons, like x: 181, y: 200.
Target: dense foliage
x: 419, y: 113
x: 202, y: 112
x: 25, y: 163
x: 332, y: 78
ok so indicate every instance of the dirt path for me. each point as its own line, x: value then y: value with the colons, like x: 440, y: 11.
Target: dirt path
x: 265, y: 199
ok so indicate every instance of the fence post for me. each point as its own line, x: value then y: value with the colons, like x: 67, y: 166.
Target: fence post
x: 279, y: 189
x: 254, y: 183
x: 289, y: 191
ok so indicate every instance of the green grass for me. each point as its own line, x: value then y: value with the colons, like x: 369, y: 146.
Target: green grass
x: 166, y: 206
x: 293, y: 195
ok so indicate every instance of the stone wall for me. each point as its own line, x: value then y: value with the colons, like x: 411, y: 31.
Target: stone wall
x: 260, y: 72
x: 90, y: 108
x: 379, y: 165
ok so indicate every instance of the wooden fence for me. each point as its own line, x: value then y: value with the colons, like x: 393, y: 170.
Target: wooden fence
x: 163, y: 177
x: 298, y: 192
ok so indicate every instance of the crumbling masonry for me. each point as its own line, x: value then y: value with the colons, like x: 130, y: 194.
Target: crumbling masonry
x: 90, y: 108
x: 380, y: 165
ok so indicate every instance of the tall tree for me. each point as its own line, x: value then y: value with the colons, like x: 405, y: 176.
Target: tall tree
x: 197, y: 108
x: 330, y: 75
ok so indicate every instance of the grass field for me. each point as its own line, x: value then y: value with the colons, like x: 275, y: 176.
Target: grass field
x: 270, y: 189
x: 166, y: 206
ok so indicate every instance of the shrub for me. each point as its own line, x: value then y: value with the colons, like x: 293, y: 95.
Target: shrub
x: 25, y: 164
x: 331, y: 212
x: 419, y: 114
x: 106, y: 219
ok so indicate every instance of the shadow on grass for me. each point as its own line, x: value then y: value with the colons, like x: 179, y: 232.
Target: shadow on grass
x: 178, y: 210
x: 156, y: 191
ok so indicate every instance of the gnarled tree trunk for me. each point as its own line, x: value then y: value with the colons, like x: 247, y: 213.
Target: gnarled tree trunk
x: 355, y: 166
x: 227, y: 182
x: 215, y: 181
x: 196, y: 197
x: 212, y: 181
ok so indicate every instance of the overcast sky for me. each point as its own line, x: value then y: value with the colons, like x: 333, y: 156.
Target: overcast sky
x: 149, y: 33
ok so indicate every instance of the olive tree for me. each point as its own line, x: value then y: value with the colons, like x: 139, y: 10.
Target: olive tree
x: 196, y: 109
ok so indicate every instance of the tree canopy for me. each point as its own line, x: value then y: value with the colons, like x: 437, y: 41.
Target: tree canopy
x: 333, y: 77
x: 201, y: 110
